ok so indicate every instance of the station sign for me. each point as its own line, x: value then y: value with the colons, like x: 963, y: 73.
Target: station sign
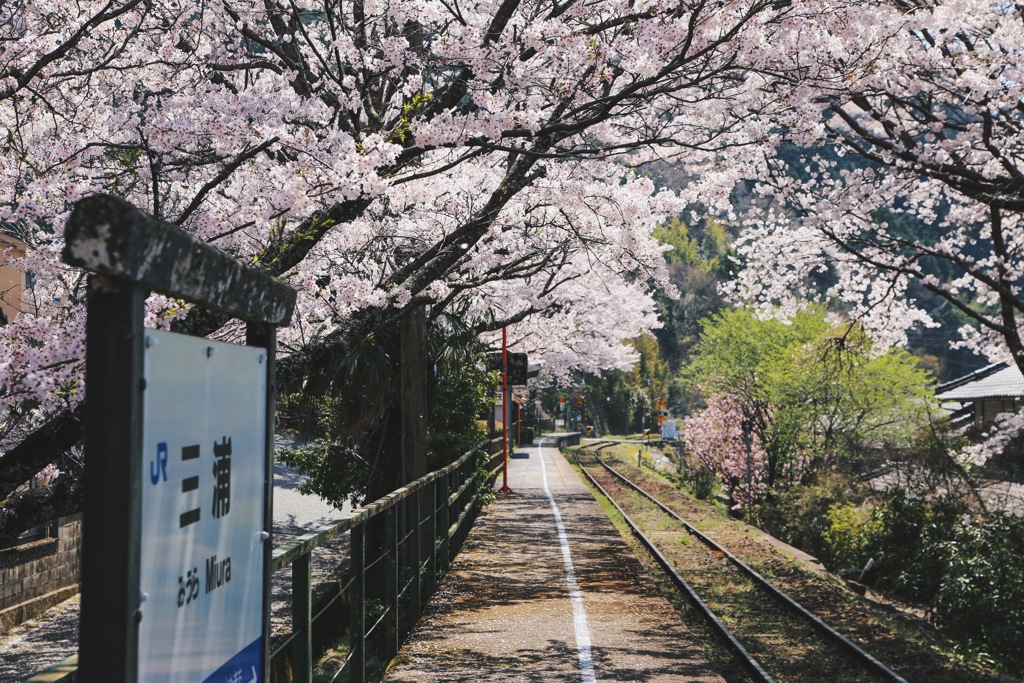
x: 203, y: 517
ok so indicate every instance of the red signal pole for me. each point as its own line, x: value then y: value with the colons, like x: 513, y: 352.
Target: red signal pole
x: 506, y: 412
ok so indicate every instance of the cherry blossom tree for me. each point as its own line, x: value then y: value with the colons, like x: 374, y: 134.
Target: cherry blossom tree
x: 932, y: 193
x: 905, y: 174
x: 715, y: 436
x: 382, y: 156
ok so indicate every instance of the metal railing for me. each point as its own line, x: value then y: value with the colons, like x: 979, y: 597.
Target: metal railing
x: 399, y: 548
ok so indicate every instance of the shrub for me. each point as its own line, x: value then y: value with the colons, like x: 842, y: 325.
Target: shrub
x: 799, y: 515
x: 851, y: 534
x: 969, y: 571
x: 909, y: 560
x: 335, y: 471
x: 702, y: 482
x: 700, y: 479
x: 980, y: 598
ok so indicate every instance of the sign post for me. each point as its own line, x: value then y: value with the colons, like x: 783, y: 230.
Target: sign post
x: 179, y: 445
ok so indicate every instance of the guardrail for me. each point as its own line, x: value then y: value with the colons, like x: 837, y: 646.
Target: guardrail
x: 399, y: 548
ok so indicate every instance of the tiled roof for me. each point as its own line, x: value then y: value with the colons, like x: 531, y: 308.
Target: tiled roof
x: 1000, y: 380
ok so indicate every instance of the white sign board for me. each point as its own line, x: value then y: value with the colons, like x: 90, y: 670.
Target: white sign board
x: 201, y: 566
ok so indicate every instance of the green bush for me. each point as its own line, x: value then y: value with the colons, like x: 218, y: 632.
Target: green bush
x: 460, y: 396
x: 909, y: 556
x: 334, y: 471
x: 699, y: 479
x: 851, y: 534
x: 484, y: 479
x: 799, y: 514
x: 969, y: 571
x: 702, y: 481
x: 980, y: 598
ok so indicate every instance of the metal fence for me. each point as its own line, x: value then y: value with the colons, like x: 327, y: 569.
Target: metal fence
x: 399, y: 548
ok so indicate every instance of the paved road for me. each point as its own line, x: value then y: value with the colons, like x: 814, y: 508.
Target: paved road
x: 295, y: 513
x: 53, y: 636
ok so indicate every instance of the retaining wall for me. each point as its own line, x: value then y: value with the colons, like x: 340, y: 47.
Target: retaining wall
x: 37, y: 575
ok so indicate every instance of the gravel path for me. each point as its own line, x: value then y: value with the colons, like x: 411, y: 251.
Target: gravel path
x: 53, y: 636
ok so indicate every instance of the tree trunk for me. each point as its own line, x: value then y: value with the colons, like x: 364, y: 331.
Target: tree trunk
x: 414, y: 387
x: 401, y: 436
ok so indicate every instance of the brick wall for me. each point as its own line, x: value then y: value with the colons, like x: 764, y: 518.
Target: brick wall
x: 37, y: 575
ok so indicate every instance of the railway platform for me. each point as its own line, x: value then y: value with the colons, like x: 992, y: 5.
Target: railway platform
x: 546, y: 590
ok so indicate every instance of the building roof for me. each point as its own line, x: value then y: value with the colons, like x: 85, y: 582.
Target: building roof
x: 999, y: 380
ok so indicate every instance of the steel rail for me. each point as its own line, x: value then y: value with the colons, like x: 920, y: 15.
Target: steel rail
x: 841, y: 640
x: 745, y: 657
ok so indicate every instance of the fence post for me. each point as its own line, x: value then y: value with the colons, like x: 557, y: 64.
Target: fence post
x: 265, y: 335
x: 112, y: 482
x: 431, y: 499
x: 471, y: 500
x: 391, y: 636
x: 302, y: 616
x: 357, y: 635
x: 445, y: 517
x: 415, y: 594
x: 466, y: 472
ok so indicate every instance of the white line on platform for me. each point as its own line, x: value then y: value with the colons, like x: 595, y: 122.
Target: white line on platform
x: 579, y: 614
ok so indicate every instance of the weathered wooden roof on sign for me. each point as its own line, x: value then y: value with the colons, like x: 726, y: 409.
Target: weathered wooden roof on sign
x: 109, y: 236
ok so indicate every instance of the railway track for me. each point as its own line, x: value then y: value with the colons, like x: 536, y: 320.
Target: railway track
x: 774, y: 637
